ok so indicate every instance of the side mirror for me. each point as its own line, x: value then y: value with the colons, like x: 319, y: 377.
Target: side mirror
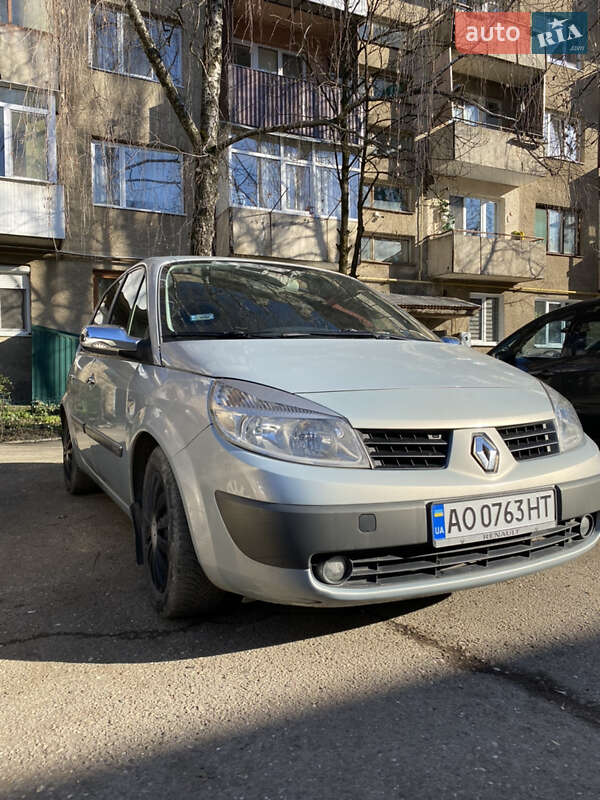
x: 109, y: 339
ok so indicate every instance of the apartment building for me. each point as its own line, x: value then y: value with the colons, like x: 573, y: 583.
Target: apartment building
x: 482, y: 207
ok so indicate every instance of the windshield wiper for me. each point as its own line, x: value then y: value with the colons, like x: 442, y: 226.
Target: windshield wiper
x: 234, y: 333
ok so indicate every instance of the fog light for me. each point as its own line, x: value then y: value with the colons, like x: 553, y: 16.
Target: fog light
x: 586, y: 526
x: 334, y: 570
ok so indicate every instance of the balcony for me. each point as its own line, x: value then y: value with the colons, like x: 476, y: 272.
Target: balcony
x: 259, y: 99
x: 494, y: 257
x: 31, y: 211
x: 471, y: 150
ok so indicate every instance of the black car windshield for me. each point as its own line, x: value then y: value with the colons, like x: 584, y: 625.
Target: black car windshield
x: 250, y: 300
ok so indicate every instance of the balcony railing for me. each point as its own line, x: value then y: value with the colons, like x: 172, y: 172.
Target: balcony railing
x: 259, y: 99
x: 483, y: 152
x: 506, y: 258
x: 31, y: 210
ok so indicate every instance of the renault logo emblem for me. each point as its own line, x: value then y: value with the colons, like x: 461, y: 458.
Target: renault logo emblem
x: 485, y: 452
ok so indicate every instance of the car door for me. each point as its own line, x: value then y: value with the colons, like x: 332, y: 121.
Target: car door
x: 580, y: 368
x: 539, y: 348
x: 83, y: 397
x: 113, y: 375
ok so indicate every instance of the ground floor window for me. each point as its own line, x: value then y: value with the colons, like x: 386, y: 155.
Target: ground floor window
x: 14, y: 303
x: 391, y: 251
x: 552, y: 334
x: 294, y: 175
x: 485, y: 324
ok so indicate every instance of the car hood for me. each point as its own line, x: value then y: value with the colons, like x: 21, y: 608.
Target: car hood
x: 422, y: 382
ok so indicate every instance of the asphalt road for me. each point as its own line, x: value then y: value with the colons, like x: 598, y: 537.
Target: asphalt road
x: 491, y: 693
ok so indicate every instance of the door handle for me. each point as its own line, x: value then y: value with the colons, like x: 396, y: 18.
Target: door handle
x: 91, y: 381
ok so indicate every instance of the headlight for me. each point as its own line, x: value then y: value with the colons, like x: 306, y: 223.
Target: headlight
x: 568, y: 426
x: 283, y: 425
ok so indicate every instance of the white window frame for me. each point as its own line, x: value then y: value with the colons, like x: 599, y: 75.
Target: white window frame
x: 123, y: 180
x: 370, y: 201
x: 50, y: 114
x: 559, y: 58
x: 313, y: 164
x: 254, y: 47
x: 500, y: 321
x: 372, y: 237
x: 556, y: 304
x: 563, y: 156
x: 121, y: 15
x: 16, y: 278
x: 482, y: 216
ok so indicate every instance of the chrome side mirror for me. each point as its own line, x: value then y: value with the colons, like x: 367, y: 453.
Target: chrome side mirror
x: 109, y: 339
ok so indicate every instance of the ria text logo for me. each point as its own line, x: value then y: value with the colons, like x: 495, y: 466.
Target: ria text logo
x: 497, y: 32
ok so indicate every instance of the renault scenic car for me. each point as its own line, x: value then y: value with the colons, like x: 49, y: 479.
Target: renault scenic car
x: 283, y: 433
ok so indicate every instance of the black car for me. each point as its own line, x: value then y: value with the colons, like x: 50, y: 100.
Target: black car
x: 562, y: 348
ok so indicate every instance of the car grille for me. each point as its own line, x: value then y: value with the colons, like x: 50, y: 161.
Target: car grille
x: 401, y: 564
x: 531, y: 441
x: 407, y: 449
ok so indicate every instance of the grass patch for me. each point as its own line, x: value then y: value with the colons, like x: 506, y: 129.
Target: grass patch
x: 37, y: 421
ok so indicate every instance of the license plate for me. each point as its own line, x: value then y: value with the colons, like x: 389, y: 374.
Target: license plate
x: 489, y: 518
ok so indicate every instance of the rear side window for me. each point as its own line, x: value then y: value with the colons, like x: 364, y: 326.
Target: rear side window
x: 123, y: 305
x: 138, y: 326
x: 101, y: 315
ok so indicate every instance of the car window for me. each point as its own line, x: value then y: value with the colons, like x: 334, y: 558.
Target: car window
x: 584, y: 337
x: 206, y: 299
x: 138, y: 325
x: 102, y: 314
x: 546, y: 341
x: 123, y: 305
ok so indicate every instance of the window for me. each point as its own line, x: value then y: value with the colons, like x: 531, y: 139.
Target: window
x: 387, y: 88
x: 563, y: 137
x: 14, y: 303
x: 552, y: 334
x: 390, y: 198
x: 115, y: 45
x: 101, y: 315
x: 572, y: 60
x: 137, y: 178
x: 123, y: 305
x: 24, y: 13
x: 384, y: 34
x: 481, y: 111
x: 27, y: 135
x: 473, y: 215
x: 391, y: 251
x: 293, y: 175
x: 559, y: 228
x: 484, y: 325
x: 138, y: 324
x: 389, y: 142
x: 268, y: 59
x: 102, y: 279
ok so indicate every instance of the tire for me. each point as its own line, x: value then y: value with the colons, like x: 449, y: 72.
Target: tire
x: 76, y: 480
x: 177, y: 582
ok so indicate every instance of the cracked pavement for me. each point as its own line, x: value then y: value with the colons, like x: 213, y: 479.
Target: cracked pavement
x: 487, y: 693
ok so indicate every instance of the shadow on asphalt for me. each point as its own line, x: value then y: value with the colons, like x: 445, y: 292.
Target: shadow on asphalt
x: 75, y: 594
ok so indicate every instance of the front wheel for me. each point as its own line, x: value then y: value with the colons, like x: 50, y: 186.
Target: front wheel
x: 178, y: 584
x: 76, y: 480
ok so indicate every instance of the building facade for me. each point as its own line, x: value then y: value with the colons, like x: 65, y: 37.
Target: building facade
x: 480, y: 180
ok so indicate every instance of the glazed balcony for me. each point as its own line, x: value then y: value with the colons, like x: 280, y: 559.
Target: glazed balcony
x: 31, y: 211
x: 486, y: 153
x: 493, y: 257
x: 257, y: 99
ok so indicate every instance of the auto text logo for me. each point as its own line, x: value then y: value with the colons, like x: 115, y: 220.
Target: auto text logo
x: 498, y: 32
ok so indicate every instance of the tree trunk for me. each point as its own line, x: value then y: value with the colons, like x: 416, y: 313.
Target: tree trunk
x: 206, y: 172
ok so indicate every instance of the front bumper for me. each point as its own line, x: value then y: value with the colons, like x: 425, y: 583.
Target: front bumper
x: 257, y: 524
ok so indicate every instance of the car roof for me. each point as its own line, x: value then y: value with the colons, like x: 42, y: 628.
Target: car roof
x: 155, y: 263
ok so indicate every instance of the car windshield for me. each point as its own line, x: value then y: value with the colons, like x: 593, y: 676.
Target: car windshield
x: 230, y: 300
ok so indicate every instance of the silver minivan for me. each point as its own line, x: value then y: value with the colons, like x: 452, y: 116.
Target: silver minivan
x: 283, y: 433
